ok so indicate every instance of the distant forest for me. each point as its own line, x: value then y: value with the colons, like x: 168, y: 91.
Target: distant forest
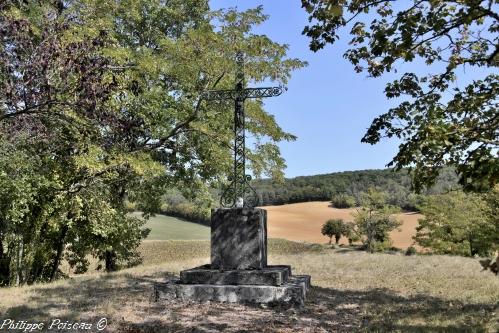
x: 397, y: 184
x: 349, y: 184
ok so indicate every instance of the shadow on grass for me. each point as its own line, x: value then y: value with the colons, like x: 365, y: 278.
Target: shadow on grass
x: 383, y: 310
x: 127, y: 302
x: 349, y: 249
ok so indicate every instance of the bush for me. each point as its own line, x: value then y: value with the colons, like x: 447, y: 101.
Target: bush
x: 188, y: 211
x: 342, y: 201
x: 379, y: 246
x: 411, y: 250
x: 350, y: 233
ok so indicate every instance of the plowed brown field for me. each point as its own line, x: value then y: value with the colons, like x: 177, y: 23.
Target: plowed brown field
x: 303, y: 221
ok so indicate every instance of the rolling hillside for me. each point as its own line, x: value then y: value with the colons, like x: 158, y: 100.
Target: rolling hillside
x: 171, y: 228
x: 397, y: 184
x: 296, y: 222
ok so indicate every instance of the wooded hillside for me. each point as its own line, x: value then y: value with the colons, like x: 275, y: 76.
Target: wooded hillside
x: 397, y: 185
x: 322, y: 187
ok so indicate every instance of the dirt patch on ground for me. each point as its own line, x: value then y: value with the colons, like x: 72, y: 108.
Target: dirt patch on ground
x: 303, y: 221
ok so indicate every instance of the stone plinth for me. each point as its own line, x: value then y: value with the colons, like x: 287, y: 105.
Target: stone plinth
x: 270, y: 275
x: 293, y: 292
x: 238, y: 238
x: 238, y: 272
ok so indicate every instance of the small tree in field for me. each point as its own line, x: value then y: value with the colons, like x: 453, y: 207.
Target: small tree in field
x: 333, y: 227
x: 350, y: 232
x: 374, y: 220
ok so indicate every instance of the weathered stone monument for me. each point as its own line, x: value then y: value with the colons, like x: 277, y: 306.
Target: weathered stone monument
x: 238, y: 271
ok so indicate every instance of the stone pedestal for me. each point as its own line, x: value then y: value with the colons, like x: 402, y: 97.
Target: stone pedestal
x: 238, y: 271
x: 238, y: 238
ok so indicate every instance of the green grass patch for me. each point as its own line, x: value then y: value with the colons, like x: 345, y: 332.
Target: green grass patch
x: 171, y: 228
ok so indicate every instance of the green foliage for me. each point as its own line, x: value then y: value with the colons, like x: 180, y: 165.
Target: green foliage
x: 333, y: 227
x: 49, y: 125
x: 374, y: 220
x: 172, y: 228
x: 459, y: 223
x: 411, y: 250
x: 100, y: 112
x: 189, y: 211
x: 350, y: 232
x: 343, y: 201
x: 194, y: 206
x: 440, y: 121
x: 397, y: 184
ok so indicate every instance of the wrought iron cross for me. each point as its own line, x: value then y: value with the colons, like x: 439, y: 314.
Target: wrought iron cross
x: 239, y: 192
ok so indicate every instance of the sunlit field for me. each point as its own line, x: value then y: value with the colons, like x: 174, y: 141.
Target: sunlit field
x: 303, y: 221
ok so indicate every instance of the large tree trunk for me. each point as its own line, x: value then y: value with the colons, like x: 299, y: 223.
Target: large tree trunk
x: 4, y: 265
x: 119, y: 203
x: 38, y: 263
x: 60, y: 249
x: 36, y: 268
x: 473, y: 248
x: 110, y: 259
x: 19, y: 264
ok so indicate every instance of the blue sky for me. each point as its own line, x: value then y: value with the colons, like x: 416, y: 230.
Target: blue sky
x: 327, y: 105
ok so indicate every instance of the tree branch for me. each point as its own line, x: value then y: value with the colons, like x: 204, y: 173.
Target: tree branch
x: 30, y: 110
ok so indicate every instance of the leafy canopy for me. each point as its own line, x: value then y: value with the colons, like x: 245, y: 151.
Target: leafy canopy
x: 459, y: 223
x: 440, y: 121
x: 333, y: 227
x: 100, y: 109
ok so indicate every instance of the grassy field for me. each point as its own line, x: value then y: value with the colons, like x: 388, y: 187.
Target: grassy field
x: 352, y: 291
x: 171, y: 228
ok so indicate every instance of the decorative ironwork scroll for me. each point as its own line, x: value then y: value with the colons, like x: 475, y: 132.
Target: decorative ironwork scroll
x: 239, y: 191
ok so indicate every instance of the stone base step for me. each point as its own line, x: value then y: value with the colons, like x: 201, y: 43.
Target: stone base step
x: 270, y: 275
x: 293, y: 292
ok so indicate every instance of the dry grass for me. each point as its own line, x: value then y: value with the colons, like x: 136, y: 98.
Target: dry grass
x: 303, y: 221
x: 154, y: 252
x: 353, y: 292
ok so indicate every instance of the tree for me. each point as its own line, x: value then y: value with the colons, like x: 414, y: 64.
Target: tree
x: 458, y: 223
x: 342, y: 201
x: 100, y: 109
x: 374, y: 220
x: 350, y: 232
x: 441, y: 121
x: 333, y: 227
x: 52, y: 95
